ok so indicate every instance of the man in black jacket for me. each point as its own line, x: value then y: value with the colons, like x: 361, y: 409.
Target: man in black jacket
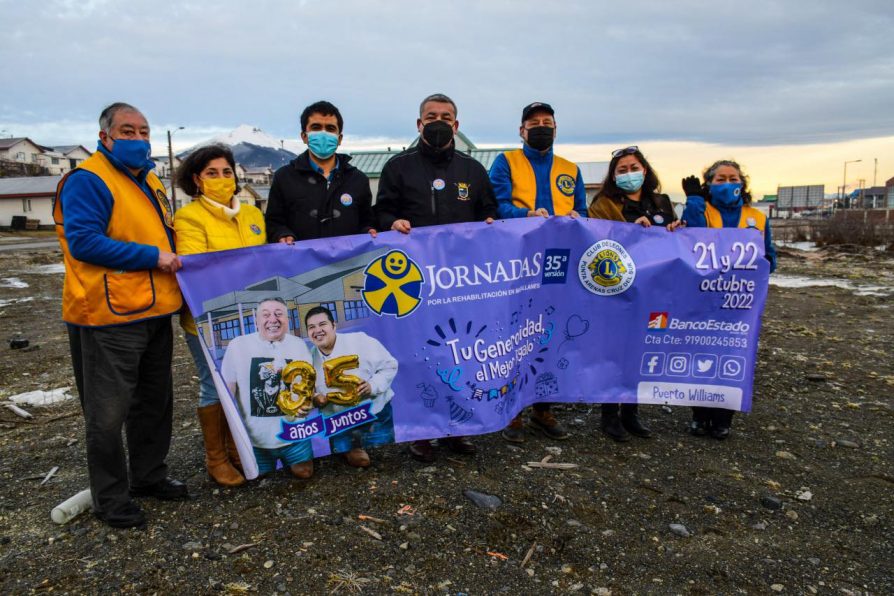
x: 430, y: 184
x: 319, y: 194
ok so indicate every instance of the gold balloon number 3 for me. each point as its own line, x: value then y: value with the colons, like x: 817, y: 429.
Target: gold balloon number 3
x: 300, y: 379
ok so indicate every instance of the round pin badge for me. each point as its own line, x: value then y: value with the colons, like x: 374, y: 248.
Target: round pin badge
x: 659, y: 219
x: 438, y: 184
x: 346, y: 200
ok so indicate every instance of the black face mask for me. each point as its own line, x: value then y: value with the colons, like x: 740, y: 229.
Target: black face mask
x: 540, y: 138
x: 438, y: 134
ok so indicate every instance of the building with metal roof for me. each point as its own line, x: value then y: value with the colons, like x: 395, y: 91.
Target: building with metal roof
x: 30, y: 197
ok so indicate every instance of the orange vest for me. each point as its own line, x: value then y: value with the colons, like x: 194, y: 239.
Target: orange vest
x: 562, y: 176
x: 749, y: 218
x: 97, y: 296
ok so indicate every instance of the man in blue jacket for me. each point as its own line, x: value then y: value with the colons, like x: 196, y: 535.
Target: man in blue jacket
x: 534, y: 182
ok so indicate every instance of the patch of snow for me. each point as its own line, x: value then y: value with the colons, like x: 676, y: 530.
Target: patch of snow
x: 43, y: 398
x: 805, y: 246
x: 802, y: 281
x: 15, y: 301
x: 12, y: 282
x: 52, y: 269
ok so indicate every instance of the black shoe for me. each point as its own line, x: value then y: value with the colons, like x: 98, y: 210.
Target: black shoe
x: 635, y: 426
x: 461, y: 445
x: 720, y: 432
x: 613, y: 428
x: 422, y: 451
x: 165, y: 490
x: 546, y: 423
x: 698, y: 428
x: 127, y: 516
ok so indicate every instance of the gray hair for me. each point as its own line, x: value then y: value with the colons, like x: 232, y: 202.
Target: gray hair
x: 712, y: 171
x: 438, y: 97
x: 107, y: 117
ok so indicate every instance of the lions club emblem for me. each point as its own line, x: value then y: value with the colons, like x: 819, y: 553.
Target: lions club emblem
x: 393, y: 285
x: 606, y: 268
x: 565, y: 184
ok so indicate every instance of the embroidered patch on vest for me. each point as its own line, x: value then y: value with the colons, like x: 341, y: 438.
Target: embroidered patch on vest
x: 565, y: 184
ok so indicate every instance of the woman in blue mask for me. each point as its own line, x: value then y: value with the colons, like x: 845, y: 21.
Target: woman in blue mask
x: 631, y: 192
x: 723, y: 201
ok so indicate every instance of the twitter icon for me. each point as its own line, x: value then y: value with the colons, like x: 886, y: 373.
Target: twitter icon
x: 704, y: 366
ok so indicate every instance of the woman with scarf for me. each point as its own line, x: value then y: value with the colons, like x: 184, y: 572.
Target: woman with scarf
x: 631, y: 192
x: 722, y: 201
x: 215, y: 220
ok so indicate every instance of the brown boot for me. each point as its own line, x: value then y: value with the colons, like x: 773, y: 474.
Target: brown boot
x: 213, y: 429
x: 357, y: 458
x: 232, y: 452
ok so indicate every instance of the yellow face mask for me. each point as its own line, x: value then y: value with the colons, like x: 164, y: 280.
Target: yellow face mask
x: 219, y: 190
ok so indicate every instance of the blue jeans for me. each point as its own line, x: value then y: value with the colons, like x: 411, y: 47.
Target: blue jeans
x: 207, y: 390
x: 378, y: 432
x: 289, y: 454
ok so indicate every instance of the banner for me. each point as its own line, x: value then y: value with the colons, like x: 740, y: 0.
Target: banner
x: 452, y: 330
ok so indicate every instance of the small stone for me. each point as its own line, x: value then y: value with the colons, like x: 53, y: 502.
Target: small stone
x: 554, y: 450
x: 192, y: 545
x: 804, y: 495
x: 679, y: 530
x: 759, y: 526
x: 848, y: 444
x: 567, y: 569
x: 784, y: 455
x: 429, y: 470
x: 281, y: 588
x: 5, y: 540
x: 870, y: 520
x: 603, y: 566
x: 234, y: 526
x: 608, y: 533
x: 773, y: 503
x: 112, y: 538
x: 813, y: 561
x: 792, y: 514
x: 602, y: 592
x: 815, y: 377
x: 404, y: 545
x: 530, y: 572
x: 574, y: 523
x: 483, y: 500
x: 777, y: 587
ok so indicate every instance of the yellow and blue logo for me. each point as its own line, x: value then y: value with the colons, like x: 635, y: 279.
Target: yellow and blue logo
x: 393, y: 285
x: 606, y: 268
x: 565, y: 184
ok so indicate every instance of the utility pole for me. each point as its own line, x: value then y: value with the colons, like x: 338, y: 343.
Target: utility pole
x: 875, y: 172
x: 171, y: 169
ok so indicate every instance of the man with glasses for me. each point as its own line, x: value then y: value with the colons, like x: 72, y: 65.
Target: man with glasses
x: 534, y: 182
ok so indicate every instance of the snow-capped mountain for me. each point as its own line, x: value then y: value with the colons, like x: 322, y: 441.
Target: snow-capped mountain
x: 254, y: 148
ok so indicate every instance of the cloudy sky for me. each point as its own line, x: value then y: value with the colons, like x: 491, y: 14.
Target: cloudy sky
x: 792, y: 89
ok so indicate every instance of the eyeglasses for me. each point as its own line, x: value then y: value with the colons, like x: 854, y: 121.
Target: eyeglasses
x: 625, y: 151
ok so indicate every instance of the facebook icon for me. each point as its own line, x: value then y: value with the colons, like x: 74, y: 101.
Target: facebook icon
x: 653, y: 364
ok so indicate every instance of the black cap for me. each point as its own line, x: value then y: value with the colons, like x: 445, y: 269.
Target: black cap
x: 537, y: 106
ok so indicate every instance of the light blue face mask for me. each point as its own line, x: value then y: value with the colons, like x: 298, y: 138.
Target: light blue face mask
x: 727, y: 195
x: 630, y: 182
x: 133, y: 153
x: 322, y: 144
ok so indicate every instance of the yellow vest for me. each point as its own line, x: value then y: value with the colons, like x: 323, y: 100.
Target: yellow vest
x: 750, y: 218
x: 202, y: 226
x: 562, y: 176
x: 97, y: 296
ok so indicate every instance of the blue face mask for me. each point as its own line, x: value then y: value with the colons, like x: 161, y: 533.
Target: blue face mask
x: 322, y: 144
x: 133, y: 153
x: 727, y: 195
x: 630, y: 182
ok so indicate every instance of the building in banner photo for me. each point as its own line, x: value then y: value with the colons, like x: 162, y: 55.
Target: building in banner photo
x: 337, y: 287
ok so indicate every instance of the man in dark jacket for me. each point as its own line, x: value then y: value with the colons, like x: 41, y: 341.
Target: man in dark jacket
x: 429, y: 184
x: 319, y: 194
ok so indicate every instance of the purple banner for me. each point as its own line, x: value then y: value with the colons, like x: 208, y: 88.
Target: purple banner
x: 452, y: 330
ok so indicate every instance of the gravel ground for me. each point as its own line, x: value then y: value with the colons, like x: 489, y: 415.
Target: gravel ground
x: 797, y: 501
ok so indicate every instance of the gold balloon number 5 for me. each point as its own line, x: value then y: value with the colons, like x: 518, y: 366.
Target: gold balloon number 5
x: 345, y: 385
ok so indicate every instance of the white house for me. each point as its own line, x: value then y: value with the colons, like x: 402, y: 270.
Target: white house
x: 75, y: 154
x: 31, y: 197
x: 20, y: 149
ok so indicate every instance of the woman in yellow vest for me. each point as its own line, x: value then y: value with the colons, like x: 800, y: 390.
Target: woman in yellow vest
x: 215, y: 220
x: 723, y: 201
x: 631, y: 192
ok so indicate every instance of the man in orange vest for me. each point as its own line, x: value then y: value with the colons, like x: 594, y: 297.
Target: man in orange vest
x: 534, y: 182
x: 114, y: 224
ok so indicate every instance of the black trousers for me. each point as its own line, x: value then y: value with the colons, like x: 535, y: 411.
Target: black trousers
x: 124, y: 380
x: 716, y: 417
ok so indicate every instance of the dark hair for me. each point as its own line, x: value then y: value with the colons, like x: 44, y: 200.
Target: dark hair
x: 439, y: 98
x: 318, y: 310
x: 711, y: 171
x: 324, y: 108
x: 196, y: 161
x: 107, y: 117
x: 651, y: 184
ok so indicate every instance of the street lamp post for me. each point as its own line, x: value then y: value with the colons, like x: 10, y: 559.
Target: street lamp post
x: 844, y: 181
x: 171, y: 164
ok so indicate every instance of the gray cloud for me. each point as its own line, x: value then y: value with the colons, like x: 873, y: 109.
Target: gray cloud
x: 761, y: 73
